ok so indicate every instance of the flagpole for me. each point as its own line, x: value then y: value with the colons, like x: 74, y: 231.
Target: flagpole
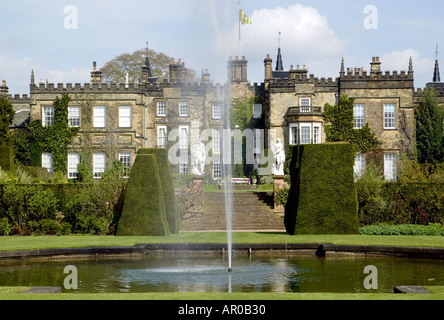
x: 238, y: 51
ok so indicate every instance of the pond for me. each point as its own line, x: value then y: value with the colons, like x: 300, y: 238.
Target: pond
x: 208, y: 273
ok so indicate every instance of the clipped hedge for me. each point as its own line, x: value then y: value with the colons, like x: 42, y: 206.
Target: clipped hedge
x: 166, y: 180
x: 322, y: 197
x: 7, y: 158
x: 404, y: 229
x: 143, y: 211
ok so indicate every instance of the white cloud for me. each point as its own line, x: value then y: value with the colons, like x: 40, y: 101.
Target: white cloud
x: 399, y: 60
x: 304, y: 32
x: 17, y: 73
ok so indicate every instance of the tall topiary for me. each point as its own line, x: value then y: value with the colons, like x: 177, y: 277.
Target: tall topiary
x: 143, y: 211
x: 166, y: 180
x: 6, y: 117
x: 322, y: 197
x: 6, y: 158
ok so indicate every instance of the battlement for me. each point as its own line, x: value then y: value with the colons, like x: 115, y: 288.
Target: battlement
x: 419, y: 91
x: 303, y: 78
x: 17, y: 98
x: 386, y: 76
x: 136, y: 88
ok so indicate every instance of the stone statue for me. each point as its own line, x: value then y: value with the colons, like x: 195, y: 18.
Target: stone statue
x: 198, y: 155
x: 279, y: 158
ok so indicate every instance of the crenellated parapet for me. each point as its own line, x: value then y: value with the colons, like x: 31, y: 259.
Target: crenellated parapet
x: 18, y: 99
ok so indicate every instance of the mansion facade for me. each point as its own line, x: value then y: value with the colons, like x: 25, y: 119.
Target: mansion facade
x: 122, y: 118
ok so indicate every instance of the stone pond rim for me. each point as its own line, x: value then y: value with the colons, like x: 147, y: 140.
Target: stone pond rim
x: 320, y: 249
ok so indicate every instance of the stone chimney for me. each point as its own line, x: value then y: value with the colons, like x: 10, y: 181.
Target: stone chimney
x: 237, y: 70
x: 268, y: 68
x: 205, y: 77
x: 96, y: 76
x: 178, y: 72
x: 4, y: 89
x: 375, y: 66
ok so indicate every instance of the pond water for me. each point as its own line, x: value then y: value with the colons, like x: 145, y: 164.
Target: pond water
x: 276, y: 273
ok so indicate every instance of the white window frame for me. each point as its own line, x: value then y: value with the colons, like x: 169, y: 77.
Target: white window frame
x: 305, y: 104
x: 359, y: 115
x: 317, y: 136
x: 47, y: 115
x: 359, y: 165
x: 184, y: 140
x: 125, y: 116
x: 47, y: 161
x: 302, y: 134
x: 390, y: 166
x: 99, y: 164
x: 161, y: 108
x: 99, y: 116
x: 125, y: 158
x: 294, y: 128
x: 74, y: 116
x: 184, y: 107
x: 73, y: 162
x: 217, y: 110
x: 162, y: 137
x: 389, y: 116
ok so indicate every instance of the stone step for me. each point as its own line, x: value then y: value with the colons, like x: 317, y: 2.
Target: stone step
x: 251, y: 211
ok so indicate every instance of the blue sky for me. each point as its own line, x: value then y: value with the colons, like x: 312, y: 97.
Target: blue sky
x: 203, y: 33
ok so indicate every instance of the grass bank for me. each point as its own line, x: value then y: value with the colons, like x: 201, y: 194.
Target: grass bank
x: 15, y: 293
x: 8, y: 243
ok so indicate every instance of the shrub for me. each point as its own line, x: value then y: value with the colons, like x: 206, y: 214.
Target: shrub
x: 42, y: 205
x: 49, y: 226
x: 16, y: 230
x: 5, y: 228
x: 322, y: 197
x: 282, y: 196
x: 66, y: 228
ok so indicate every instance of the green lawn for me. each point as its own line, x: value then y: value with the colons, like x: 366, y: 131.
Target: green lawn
x: 15, y: 293
x: 8, y: 243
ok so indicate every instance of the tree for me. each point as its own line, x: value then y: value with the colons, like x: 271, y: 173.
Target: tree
x: 429, y: 129
x: 341, y: 126
x: 115, y: 70
x: 6, y: 117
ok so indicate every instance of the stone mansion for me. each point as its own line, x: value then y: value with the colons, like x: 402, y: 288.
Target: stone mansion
x: 138, y: 115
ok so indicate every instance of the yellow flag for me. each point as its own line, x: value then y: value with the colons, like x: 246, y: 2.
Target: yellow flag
x: 243, y: 18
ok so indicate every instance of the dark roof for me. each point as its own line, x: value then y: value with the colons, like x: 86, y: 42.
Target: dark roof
x: 21, y: 118
x: 281, y: 74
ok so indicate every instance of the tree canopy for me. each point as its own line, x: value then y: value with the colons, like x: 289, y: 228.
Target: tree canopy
x: 429, y: 129
x: 116, y: 69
